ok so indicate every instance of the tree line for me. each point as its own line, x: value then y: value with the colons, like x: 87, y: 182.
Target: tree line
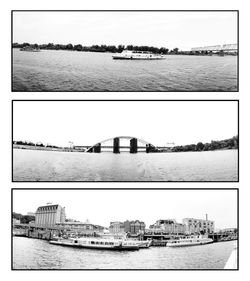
x: 23, y: 218
x: 97, y: 48
x: 232, y: 143
x: 39, y: 144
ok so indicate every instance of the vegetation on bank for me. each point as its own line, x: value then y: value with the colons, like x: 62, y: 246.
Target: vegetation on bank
x: 111, y: 48
x: 39, y: 144
x: 96, y: 48
x: 23, y: 218
x: 232, y: 143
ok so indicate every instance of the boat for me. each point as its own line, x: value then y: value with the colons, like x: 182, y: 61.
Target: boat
x: 145, y: 244
x: 97, y: 243
x: 30, y: 49
x: 138, y: 55
x: 189, y: 241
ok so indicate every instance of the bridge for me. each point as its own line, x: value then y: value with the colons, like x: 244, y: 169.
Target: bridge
x: 115, y: 144
x: 230, y: 48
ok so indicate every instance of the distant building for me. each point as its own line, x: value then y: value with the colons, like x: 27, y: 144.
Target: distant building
x: 198, y: 226
x: 116, y: 227
x: 49, y: 215
x: 168, y: 226
x: 31, y: 214
x: 228, y: 231
x: 80, y: 227
x: 134, y: 227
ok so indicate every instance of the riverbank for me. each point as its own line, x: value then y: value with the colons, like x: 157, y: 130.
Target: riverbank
x: 119, y: 49
x: 67, y: 149
x: 45, y: 148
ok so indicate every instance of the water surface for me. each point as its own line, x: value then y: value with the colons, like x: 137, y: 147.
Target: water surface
x: 39, y: 254
x: 35, y: 165
x: 51, y: 70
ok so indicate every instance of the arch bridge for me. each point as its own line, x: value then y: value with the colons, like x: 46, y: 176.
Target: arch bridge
x: 116, y: 145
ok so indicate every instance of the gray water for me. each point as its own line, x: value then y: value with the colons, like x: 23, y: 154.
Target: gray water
x: 50, y: 70
x: 39, y: 254
x: 35, y: 165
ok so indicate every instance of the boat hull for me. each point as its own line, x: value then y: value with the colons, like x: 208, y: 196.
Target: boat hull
x: 110, y: 248
x: 124, y: 58
x: 188, y: 244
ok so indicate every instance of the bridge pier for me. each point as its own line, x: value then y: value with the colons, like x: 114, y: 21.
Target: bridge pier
x: 97, y: 148
x: 149, y: 148
x: 116, y: 145
x: 133, y: 145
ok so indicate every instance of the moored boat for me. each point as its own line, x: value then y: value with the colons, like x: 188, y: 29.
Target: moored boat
x: 189, y: 241
x: 30, y: 49
x: 98, y: 243
x: 138, y: 55
x: 145, y: 244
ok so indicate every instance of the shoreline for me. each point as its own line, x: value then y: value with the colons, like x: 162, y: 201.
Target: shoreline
x: 28, y: 147
x: 181, y: 53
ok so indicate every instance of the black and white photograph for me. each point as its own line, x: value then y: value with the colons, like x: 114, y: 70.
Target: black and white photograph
x: 125, y: 51
x: 125, y: 140
x: 164, y: 229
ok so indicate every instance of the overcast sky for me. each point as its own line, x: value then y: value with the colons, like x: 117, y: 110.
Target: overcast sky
x: 161, y: 29
x: 103, y: 206
x: 159, y: 123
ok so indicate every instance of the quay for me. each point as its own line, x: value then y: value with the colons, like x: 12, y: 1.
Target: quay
x: 158, y: 239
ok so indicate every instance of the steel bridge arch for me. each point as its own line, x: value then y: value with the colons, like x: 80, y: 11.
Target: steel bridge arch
x: 121, y: 137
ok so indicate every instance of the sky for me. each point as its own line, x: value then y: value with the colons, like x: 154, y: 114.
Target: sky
x: 103, y: 206
x: 160, y: 29
x: 157, y: 122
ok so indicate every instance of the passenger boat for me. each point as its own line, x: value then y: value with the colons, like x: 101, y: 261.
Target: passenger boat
x: 137, y: 55
x: 189, y: 241
x: 30, y: 49
x: 98, y: 243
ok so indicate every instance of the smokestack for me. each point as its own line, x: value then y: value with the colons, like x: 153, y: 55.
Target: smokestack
x: 206, y: 217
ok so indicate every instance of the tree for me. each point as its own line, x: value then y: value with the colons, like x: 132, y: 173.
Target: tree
x: 69, y: 47
x: 78, y: 47
x: 200, y: 146
x: 175, y: 50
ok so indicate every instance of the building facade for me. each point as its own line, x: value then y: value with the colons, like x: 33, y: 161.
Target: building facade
x: 168, y: 226
x: 116, y: 227
x: 134, y: 227
x: 50, y: 215
x: 80, y: 227
x: 198, y: 226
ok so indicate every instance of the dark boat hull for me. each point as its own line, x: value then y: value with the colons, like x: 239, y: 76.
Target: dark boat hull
x: 121, y: 58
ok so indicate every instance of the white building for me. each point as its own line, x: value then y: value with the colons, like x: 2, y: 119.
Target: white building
x: 198, y: 226
x: 50, y: 215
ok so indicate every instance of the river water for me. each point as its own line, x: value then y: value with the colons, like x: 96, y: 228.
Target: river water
x: 35, y: 165
x: 39, y: 254
x: 50, y: 70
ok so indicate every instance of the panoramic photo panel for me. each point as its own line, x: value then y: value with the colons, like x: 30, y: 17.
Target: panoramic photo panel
x: 188, y: 229
x: 125, y: 51
x: 129, y: 141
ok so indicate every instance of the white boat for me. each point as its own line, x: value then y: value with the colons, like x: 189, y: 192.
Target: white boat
x: 189, y: 241
x: 145, y: 244
x: 98, y: 243
x: 138, y: 55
